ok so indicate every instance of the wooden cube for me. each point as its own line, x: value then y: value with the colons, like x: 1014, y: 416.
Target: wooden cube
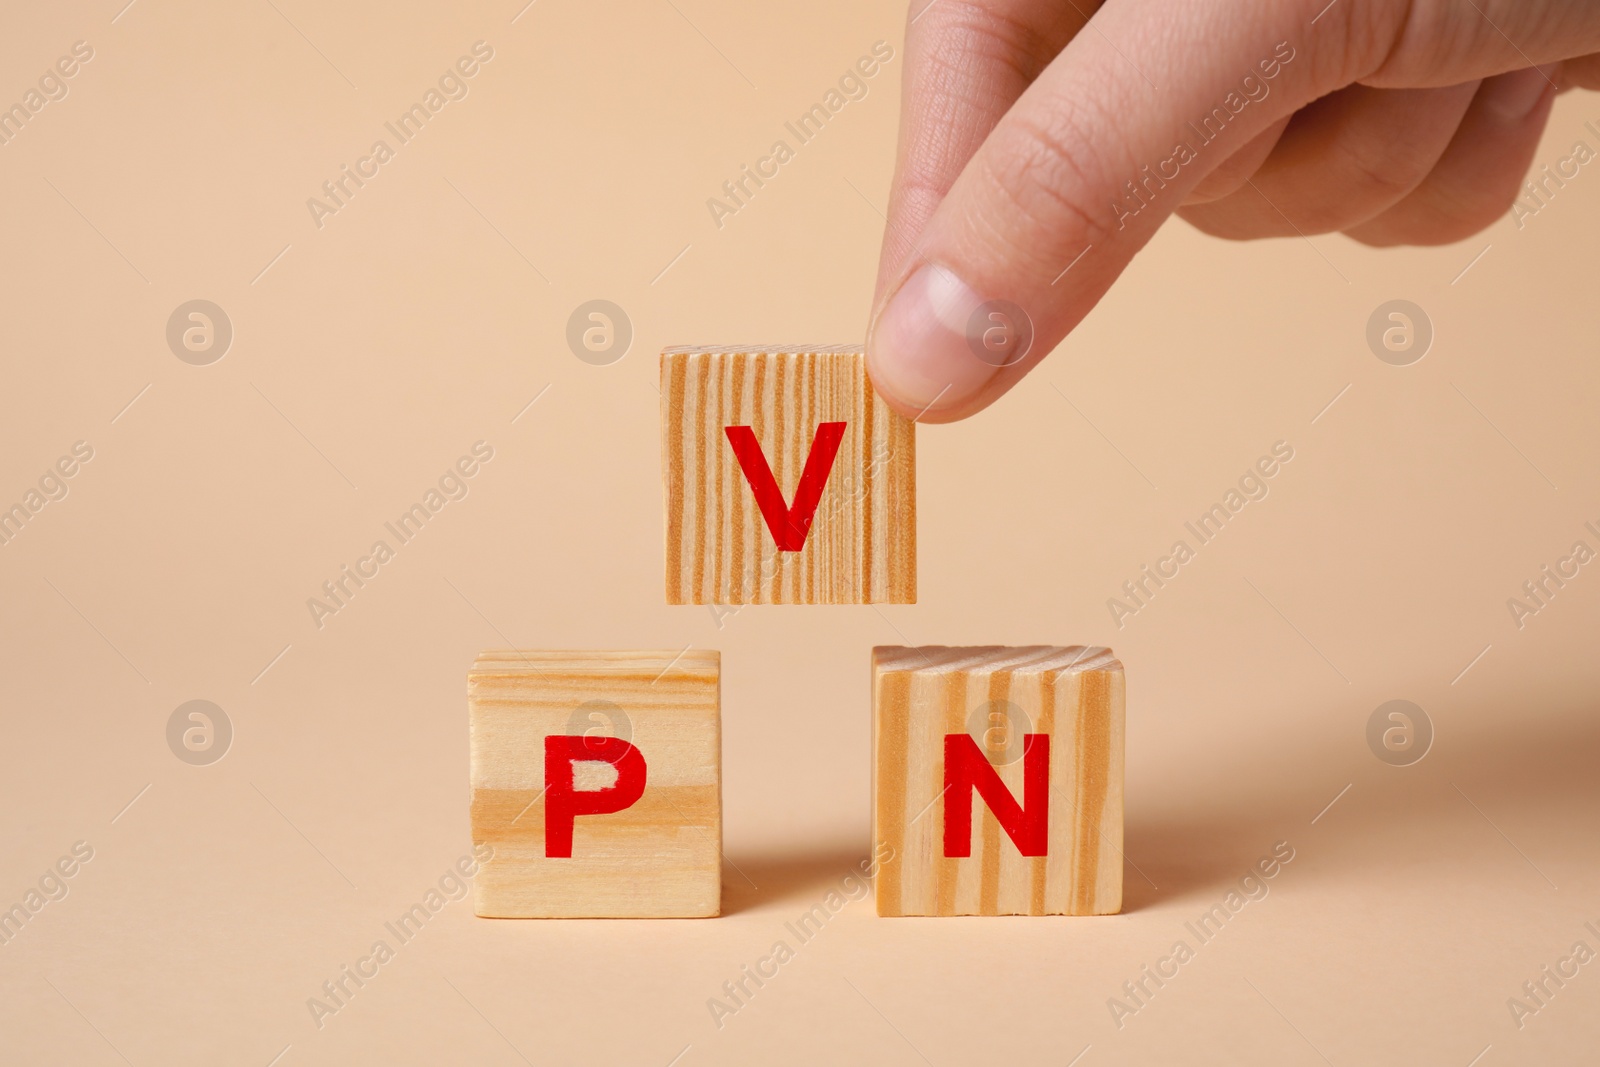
x: 997, y: 780
x: 597, y: 781
x: 788, y: 480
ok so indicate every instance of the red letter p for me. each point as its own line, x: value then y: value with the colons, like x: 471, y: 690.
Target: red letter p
x: 563, y: 803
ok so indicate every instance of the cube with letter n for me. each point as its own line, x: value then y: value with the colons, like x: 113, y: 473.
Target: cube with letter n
x: 997, y: 780
x: 597, y: 782
x: 788, y: 480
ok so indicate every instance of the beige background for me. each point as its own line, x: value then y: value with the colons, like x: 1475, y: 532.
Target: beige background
x: 425, y: 316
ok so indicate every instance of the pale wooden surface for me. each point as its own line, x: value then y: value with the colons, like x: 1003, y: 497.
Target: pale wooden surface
x: 1075, y: 695
x: 661, y: 857
x: 862, y: 545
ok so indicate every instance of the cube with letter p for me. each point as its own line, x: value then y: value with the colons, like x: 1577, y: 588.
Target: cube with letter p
x: 596, y: 779
x: 997, y: 780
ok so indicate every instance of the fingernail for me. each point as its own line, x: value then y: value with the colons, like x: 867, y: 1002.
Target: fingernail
x: 918, y: 352
x: 1515, y: 96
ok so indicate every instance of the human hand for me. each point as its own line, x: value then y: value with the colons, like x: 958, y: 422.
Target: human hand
x: 1042, y: 142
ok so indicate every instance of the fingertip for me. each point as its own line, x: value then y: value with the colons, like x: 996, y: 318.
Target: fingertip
x: 922, y: 354
x: 1513, y: 98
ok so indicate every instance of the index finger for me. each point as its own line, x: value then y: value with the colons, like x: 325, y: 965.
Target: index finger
x: 967, y: 62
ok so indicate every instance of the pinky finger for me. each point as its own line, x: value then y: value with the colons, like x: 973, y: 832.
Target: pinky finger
x: 1481, y: 171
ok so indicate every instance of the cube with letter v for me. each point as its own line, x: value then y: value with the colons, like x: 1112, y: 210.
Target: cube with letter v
x: 788, y: 480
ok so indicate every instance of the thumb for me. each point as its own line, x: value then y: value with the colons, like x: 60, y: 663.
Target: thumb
x: 1078, y: 176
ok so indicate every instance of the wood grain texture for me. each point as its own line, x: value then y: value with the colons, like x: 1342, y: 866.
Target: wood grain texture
x: 660, y: 857
x: 997, y: 694
x: 862, y: 545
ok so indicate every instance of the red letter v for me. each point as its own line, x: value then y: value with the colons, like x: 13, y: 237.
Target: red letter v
x: 789, y: 525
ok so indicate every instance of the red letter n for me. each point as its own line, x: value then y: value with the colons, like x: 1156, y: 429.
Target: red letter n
x: 562, y: 803
x: 789, y: 524
x: 966, y: 769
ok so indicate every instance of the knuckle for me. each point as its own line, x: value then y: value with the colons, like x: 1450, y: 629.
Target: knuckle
x: 1048, y: 171
x: 1368, y: 38
x: 1410, y: 43
x: 1381, y: 176
x: 970, y: 37
x: 972, y: 59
